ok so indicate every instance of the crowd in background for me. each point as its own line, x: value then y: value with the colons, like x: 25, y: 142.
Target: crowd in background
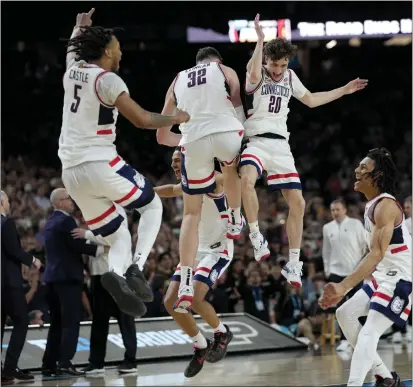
x: 327, y: 142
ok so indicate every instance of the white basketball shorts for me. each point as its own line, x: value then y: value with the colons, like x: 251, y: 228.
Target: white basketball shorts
x: 275, y: 157
x: 197, y: 165
x: 95, y: 187
x: 210, y: 264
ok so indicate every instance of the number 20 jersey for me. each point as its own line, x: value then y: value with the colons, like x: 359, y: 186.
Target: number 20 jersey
x: 89, y: 117
x: 267, y: 103
x: 203, y: 92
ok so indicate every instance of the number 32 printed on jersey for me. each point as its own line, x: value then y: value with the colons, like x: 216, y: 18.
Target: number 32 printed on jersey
x: 275, y: 104
x: 196, y: 78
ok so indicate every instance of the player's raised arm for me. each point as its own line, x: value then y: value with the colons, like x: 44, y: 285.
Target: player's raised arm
x: 168, y: 190
x: 164, y: 135
x: 234, y: 86
x: 254, y: 66
x: 82, y: 20
x: 321, y: 98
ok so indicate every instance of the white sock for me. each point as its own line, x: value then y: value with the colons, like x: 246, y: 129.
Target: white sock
x: 366, y: 347
x: 254, y: 227
x: 220, y: 328
x: 347, y: 317
x: 294, y: 255
x: 140, y: 260
x: 235, y: 215
x: 149, y: 225
x: 199, y: 341
x: 381, y: 369
x: 120, y: 243
x: 186, y: 276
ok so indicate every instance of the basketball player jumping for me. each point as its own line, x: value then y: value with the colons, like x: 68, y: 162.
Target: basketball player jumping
x: 93, y: 173
x: 268, y: 91
x: 210, y: 92
x: 387, y: 298
x: 214, y: 254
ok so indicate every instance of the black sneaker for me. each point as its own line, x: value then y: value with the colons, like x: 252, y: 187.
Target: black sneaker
x: 126, y: 299
x: 92, y: 370
x: 6, y: 379
x: 127, y: 368
x: 220, y: 346
x: 137, y: 282
x: 68, y: 371
x: 17, y: 374
x: 197, y: 361
x: 389, y: 382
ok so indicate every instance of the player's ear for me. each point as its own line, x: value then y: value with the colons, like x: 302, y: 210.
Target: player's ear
x: 108, y: 52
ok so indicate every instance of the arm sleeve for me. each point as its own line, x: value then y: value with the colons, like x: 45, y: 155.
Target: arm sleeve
x: 99, y: 240
x: 79, y: 246
x: 109, y: 87
x: 10, y: 244
x: 298, y: 88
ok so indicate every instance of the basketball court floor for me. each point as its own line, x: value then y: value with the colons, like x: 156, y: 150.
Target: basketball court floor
x: 293, y: 368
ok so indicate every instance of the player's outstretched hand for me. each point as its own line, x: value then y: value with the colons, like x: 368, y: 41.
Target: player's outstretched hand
x: 332, y: 295
x: 356, y: 85
x: 181, y: 117
x: 258, y: 28
x: 84, y: 19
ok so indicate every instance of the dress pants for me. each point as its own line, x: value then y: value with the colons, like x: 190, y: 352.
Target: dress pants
x: 65, y: 305
x: 104, y: 307
x: 14, y: 305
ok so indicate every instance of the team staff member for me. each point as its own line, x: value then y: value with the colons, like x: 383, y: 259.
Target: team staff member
x: 64, y: 279
x: 13, y: 300
x: 344, y: 244
x: 104, y: 307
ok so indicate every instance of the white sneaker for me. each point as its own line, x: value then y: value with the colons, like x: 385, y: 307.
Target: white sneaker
x: 293, y: 271
x: 260, y: 246
x: 343, y: 346
x: 397, y: 338
x: 234, y: 230
x: 185, y: 297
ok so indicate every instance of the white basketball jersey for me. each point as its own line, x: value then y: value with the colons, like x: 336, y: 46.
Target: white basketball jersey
x: 267, y: 104
x: 214, y: 221
x: 89, y: 120
x: 397, y: 261
x: 203, y: 92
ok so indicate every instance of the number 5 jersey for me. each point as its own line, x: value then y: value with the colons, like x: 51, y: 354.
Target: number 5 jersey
x: 89, y: 115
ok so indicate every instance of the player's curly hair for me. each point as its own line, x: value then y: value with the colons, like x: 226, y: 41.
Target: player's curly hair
x: 91, y: 43
x: 384, y: 174
x: 207, y: 53
x: 279, y: 48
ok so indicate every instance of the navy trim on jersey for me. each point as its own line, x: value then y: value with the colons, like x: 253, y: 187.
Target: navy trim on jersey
x: 147, y: 192
x: 109, y: 228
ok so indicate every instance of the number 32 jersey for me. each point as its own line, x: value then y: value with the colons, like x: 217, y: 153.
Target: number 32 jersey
x: 203, y: 92
x: 89, y: 115
x: 267, y: 103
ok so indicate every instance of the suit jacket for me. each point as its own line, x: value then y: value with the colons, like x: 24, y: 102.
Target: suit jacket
x: 63, y: 253
x: 12, y: 255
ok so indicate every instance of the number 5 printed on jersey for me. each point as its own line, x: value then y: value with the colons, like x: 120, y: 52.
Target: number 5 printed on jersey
x: 275, y: 104
x: 197, y: 78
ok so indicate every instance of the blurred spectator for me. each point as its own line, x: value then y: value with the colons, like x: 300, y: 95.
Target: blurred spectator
x: 36, y: 317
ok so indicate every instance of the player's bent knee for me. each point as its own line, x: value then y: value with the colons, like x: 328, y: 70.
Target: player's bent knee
x: 155, y: 206
x: 122, y: 233
x: 341, y: 313
x: 248, y: 182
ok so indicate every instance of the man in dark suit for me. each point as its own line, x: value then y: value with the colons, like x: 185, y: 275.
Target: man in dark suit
x: 64, y: 278
x: 13, y: 301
